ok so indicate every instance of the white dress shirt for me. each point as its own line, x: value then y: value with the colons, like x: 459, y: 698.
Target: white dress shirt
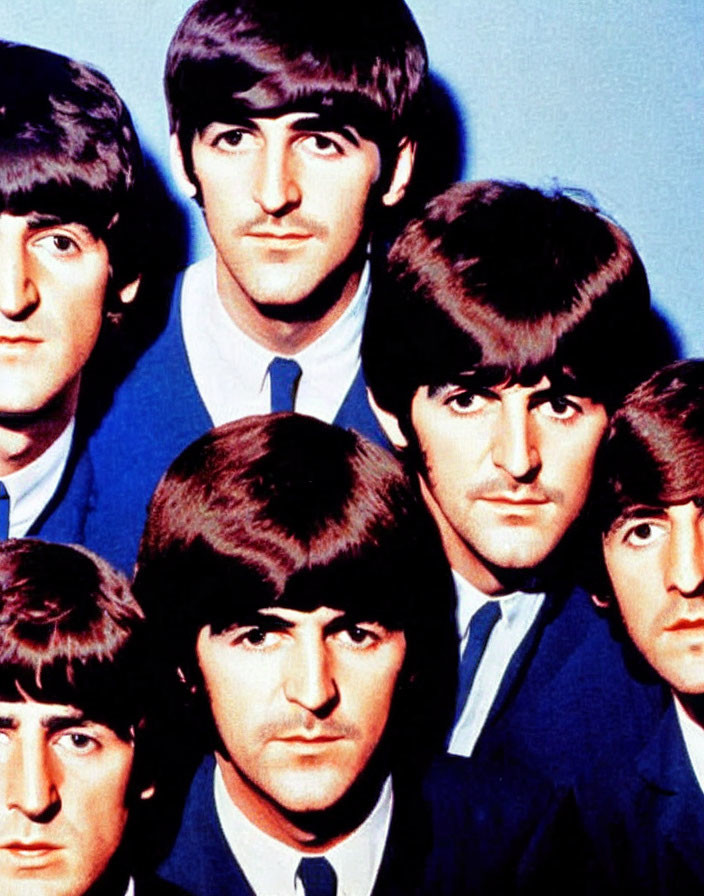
x: 270, y: 866
x: 31, y: 488
x: 693, y: 735
x: 230, y: 368
x: 518, y: 612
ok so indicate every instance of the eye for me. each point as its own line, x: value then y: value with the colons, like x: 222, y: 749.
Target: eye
x: 233, y: 138
x: 257, y: 638
x: 643, y: 534
x: 323, y: 145
x: 358, y: 636
x: 78, y: 742
x: 465, y: 402
x: 559, y: 407
x: 59, y: 244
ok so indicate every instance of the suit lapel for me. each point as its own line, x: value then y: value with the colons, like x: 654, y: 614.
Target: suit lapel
x: 201, y: 860
x: 678, y: 802
x: 64, y: 517
x: 356, y: 413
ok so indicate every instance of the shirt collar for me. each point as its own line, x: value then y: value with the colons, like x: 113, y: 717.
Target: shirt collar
x: 270, y: 866
x: 250, y: 360
x: 693, y: 735
x: 31, y: 488
x: 470, y: 599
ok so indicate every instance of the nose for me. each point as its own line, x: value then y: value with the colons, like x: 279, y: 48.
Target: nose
x: 31, y: 782
x: 18, y: 294
x: 310, y: 682
x: 276, y: 187
x: 514, y: 447
x: 685, y: 561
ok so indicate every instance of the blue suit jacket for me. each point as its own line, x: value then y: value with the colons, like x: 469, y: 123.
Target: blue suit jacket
x: 64, y: 518
x: 572, y: 697
x: 156, y: 412
x: 645, y: 816
x: 467, y: 830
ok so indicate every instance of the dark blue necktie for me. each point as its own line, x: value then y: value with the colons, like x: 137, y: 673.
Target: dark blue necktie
x: 4, y: 513
x: 284, y: 375
x: 480, y: 627
x: 318, y: 877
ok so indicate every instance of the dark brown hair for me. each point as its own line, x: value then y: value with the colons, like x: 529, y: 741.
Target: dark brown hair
x: 653, y: 455
x: 70, y: 632
x: 68, y: 149
x: 509, y: 283
x: 365, y: 66
x: 286, y: 510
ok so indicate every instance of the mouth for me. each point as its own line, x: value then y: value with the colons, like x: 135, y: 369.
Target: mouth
x: 307, y: 739
x: 289, y: 236
x: 17, y: 343
x: 30, y: 849
x: 686, y: 625
x: 516, y: 500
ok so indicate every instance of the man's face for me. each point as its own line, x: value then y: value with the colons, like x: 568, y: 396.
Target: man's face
x: 285, y: 201
x: 301, y: 701
x: 655, y: 559
x: 507, y: 471
x: 63, y: 783
x: 53, y: 277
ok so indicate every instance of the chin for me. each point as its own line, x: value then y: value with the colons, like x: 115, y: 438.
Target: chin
x: 313, y: 792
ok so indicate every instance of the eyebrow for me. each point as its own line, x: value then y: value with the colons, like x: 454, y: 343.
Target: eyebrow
x: 637, y: 512
x: 40, y: 220
x: 50, y: 723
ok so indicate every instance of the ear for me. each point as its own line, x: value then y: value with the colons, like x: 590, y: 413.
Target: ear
x: 178, y: 169
x: 388, y: 423
x: 127, y: 293
x: 402, y: 172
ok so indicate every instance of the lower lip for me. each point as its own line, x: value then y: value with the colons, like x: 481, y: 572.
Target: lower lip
x: 29, y: 856
x: 304, y: 742
x: 693, y: 628
x: 282, y: 240
x: 10, y: 345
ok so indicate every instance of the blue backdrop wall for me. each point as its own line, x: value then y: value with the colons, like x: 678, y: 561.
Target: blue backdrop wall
x: 606, y: 95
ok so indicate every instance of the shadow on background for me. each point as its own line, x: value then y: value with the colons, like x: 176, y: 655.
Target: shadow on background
x: 441, y: 157
x: 666, y: 340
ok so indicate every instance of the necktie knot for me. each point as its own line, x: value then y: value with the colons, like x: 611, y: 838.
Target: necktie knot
x: 284, y: 374
x: 480, y: 627
x: 4, y: 513
x: 318, y: 877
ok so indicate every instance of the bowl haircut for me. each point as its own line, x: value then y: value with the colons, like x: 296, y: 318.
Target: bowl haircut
x: 284, y: 510
x: 499, y: 283
x: 230, y: 61
x: 71, y: 633
x: 68, y: 150
x: 653, y: 454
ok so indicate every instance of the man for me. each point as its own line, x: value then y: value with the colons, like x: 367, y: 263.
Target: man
x: 286, y: 568
x: 495, y: 349
x: 72, y: 712
x: 293, y: 127
x: 647, y: 810
x: 69, y: 160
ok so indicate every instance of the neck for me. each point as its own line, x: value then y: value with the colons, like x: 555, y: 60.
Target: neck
x: 307, y: 831
x: 24, y: 437
x: 287, y: 329
x: 491, y: 580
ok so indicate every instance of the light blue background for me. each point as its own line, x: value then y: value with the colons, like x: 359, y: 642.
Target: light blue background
x: 607, y: 95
